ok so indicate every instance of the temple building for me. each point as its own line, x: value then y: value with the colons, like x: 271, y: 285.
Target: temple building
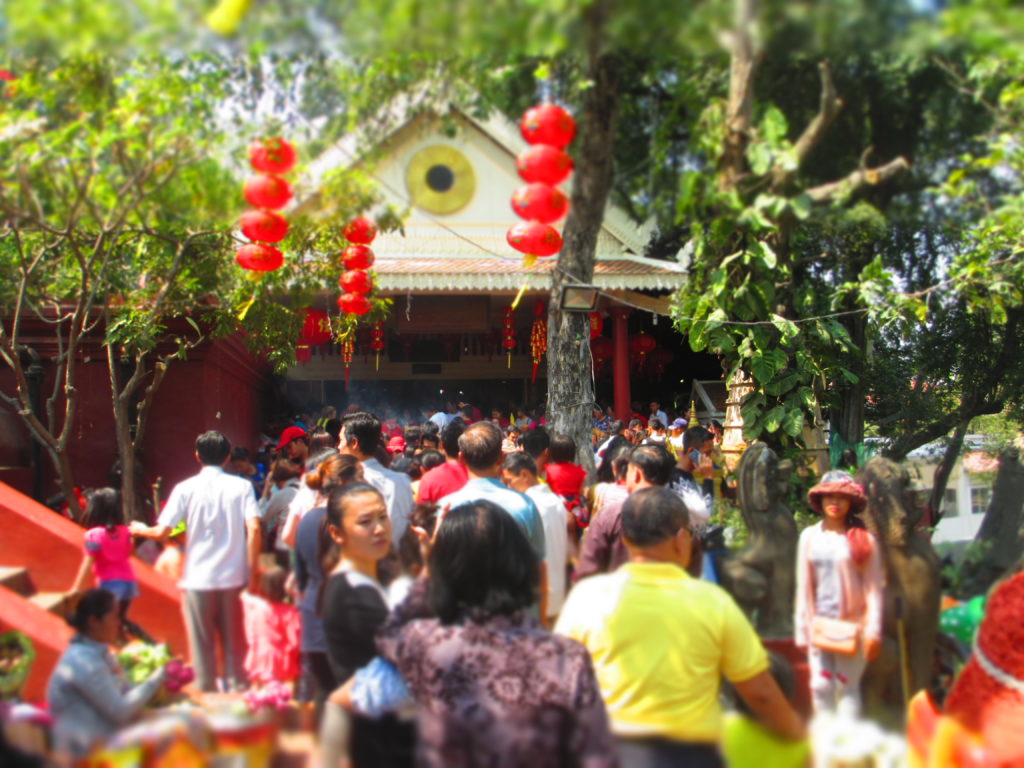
x: 453, y: 277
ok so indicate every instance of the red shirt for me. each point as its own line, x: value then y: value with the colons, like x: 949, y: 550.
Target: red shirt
x: 442, y: 480
x: 566, y: 479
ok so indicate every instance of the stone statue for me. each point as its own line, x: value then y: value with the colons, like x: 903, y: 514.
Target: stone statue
x: 762, y: 576
x: 912, y: 573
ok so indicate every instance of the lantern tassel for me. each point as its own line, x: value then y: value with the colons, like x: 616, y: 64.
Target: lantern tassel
x: 376, y: 362
x: 519, y: 296
x: 246, y: 307
x: 510, y: 358
x: 346, y: 375
x: 533, y: 375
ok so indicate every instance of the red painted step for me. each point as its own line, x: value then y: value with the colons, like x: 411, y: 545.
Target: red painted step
x: 51, y: 548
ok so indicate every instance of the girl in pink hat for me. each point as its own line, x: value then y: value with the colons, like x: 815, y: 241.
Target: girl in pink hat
x: 838, y: 594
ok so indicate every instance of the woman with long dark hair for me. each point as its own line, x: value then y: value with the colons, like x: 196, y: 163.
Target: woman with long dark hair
x: 316, y: 680
x: 354, y: 606
x: 493, y: 688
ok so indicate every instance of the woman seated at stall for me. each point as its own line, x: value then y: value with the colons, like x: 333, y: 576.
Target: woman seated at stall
x: 89, y: 699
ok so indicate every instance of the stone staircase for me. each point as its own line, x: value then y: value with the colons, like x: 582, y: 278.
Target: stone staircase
x: 19, y: 580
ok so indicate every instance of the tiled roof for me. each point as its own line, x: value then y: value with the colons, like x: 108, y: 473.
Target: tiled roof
x: 428, y: 257
x: 446, y: 274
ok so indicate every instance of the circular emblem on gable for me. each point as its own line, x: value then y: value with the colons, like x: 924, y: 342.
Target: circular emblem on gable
x: 440, y: 179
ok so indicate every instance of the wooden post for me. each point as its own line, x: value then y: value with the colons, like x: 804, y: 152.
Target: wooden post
x: 620, y: 362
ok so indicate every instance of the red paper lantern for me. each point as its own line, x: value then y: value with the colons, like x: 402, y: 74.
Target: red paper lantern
x: 640, y: 345
x: 356, y: 281
x: 264, y: 226
x: 354, y: 304
x: 357, y: 257
x: 316, y: 329
x: 601, y: 348
x: 596, y: 324
x: 265, y: 190
x: 360, y: 231
x: 259, y: 257
x: 659, y: 359
x: 535, y: 238
x: 272, y: 155
x: 544, y: 164
x: 548, y: 124
x: 540, y: 202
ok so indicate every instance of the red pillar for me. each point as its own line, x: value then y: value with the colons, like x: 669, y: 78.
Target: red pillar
x: 620, y: 361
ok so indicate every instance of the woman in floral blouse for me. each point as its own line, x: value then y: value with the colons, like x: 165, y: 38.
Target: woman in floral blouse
x: 492, y: 687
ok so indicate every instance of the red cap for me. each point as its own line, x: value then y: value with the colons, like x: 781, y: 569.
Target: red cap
x: 396, y: 444
x: 290, y: 434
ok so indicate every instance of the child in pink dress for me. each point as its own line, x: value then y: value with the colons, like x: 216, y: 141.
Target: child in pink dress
x: 108, y: 549
x: 272, y: 629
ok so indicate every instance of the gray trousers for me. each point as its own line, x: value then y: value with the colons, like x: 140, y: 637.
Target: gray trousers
x: 212, y: 615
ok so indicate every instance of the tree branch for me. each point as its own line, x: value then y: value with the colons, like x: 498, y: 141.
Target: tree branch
x: 858, y: 180
x: 828, y: 107
x: 744, y: 58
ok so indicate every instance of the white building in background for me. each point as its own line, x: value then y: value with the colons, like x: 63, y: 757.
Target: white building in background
x: 968, y: 491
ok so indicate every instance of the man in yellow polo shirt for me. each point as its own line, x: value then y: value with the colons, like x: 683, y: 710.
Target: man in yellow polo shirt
x: 661, y: 642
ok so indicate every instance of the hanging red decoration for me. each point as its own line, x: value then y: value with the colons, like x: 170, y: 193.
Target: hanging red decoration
x: 538, y: 337
x: 272, y: 155
x: 596, y: 324
x: 356, y: 281
x: 316, y: 328
x: 354, y: 304
x: 377, y: 344
x: 264, y: 226
x: 534, y: 238
x: 540, y: 202
x: 601, y: 349
x: 360, y: 231
x: 548, y: 124
x: 509, y: 333
x: 357, y: 257
x: 266, y: 190
x: 549, y: 128
x: 640, y: 345
x: 544, y: 164
x: 658, y: 360
x: 348, y: 347
x: 259, y: 257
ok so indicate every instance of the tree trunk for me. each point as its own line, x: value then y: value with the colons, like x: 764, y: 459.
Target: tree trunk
x: 120, y: 400
x: 848, y: 417
x: 66, y: 478
x: 570, y: 377
x: 943, y: 471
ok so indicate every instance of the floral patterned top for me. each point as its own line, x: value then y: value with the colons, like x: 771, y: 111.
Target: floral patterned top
x: 501, y: 693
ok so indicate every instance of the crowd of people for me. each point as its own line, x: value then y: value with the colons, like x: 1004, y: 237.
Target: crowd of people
x: 461, y: 594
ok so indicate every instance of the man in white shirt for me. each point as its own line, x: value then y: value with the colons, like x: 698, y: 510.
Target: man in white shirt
x: 361, y: 437
x: 444, y: 416
x: 519, y: 472
x: 223, y: 541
